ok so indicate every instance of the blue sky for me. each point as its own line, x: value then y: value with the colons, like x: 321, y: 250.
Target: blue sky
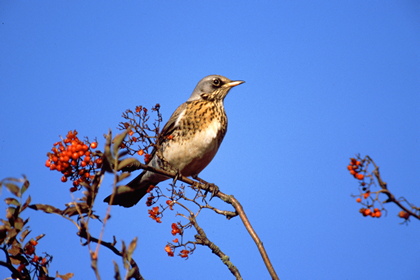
x: 324, y: 80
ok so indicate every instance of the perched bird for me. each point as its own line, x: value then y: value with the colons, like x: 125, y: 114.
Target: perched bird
x: 188, y: 141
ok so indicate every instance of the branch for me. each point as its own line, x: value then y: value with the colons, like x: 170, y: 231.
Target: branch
x: 391, y: 197
x: 15, y: 272
x: 84, y: 234
x: 228, y: 199
x: 202, y: 239
x: 238, y: 207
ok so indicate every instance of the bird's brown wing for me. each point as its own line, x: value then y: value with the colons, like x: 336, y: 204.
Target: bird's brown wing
x: 169, y: 127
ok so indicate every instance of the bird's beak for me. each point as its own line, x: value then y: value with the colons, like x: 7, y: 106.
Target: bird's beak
x: 234, y: 83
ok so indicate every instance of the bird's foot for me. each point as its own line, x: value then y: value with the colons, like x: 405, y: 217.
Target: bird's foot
x: 175, y: 179
x: 207, y: 187
x: 213, y: 189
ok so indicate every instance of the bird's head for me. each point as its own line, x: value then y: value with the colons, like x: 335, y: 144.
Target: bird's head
x: 213, y: 87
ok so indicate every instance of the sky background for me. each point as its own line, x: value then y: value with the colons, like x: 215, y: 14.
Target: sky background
x: 325, y: 80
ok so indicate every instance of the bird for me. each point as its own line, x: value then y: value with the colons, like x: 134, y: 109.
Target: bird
x: 188, y: 141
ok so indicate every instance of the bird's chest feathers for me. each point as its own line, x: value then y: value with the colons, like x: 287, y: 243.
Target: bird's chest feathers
x: 195, y: 144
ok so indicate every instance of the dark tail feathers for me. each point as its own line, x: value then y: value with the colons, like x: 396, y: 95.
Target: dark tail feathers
x: 129, y: 194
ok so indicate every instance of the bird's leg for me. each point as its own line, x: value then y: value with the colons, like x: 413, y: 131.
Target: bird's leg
x: 209, y: 187
x: 174, y: 180
x: 177, y: 175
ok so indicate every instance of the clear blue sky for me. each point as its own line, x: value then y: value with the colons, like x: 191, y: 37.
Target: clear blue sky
x: 324, y: 80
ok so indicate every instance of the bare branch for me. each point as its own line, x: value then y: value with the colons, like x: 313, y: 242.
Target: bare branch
x: 391, y: 197
x: 202, y: 239
x: 110, y: 246
x: 228, y: 199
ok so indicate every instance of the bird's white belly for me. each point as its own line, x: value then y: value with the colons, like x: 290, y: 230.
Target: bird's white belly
x: 191, y: 155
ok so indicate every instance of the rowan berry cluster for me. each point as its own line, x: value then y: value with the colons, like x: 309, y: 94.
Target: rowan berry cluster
x: 150, y: 199
x: 369, y: 210
x: 367, y: 179
x: 376, y: 213
x: 33, y: 259
x: 184, y: 253
x: 75, y: 159
x: 170, y: 250
x: 355, y: 167
x: 177, y: 228
x: 155, y: 214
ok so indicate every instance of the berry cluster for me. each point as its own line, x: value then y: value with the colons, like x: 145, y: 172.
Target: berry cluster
x: 74, y: 159
x: 368, y: 210
x: 177, y: 228
x: 35, y: 260
x: 355, y: 167
x: 376, y: 213
x: 169, y: 250
x: 150, y: 199
x: 184, y: 253
x: 360, y: 169
x: 155, y: 214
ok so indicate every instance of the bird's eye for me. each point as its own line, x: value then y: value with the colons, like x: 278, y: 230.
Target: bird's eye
x: 217, y: 82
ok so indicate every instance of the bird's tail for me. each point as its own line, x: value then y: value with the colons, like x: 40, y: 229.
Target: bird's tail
x: 128, y: 195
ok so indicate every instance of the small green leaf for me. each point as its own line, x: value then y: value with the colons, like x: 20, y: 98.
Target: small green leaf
x: 117, y: 275
x: 11, y: 236
x: 10, y: 213
x: 126, y: 162
x: 24, y: 234
x: 118, y: 140
x: 132, y: 247
x: 12, y: 201
x: 39, y: 236
x: 108, y: 159
x: 15, y: 257
x: 70, y: 211
x: 66, y: 276
x: 124, y: 175
x: 26, y: 204
x: 133, y: 273
x: 124, y: 255
x: 25, y: 186
x: 19, y: 223
x: 46, y: 208
x: 14, y: 189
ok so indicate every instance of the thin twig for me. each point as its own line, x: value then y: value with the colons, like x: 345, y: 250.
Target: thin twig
x: 202, y: 239
x: 228, y: 199
x: 110, y: 246
x: 385, y: 190
x: 238, y: 207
